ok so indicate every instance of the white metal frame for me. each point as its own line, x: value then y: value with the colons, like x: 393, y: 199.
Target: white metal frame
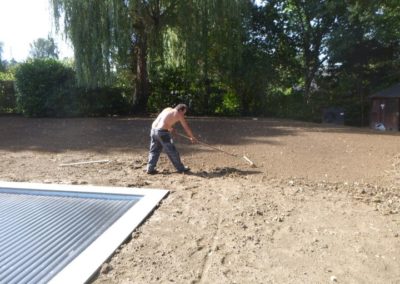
x: 80, y: 269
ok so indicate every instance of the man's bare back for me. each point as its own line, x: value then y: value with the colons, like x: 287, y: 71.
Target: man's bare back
x: 168, y: 117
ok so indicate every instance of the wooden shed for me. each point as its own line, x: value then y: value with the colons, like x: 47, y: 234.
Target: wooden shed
x: 385, y: 109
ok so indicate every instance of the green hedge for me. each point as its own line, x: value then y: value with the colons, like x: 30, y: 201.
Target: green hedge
x: 45, y: 87
x: 104, y: 101
x: 8, y: 102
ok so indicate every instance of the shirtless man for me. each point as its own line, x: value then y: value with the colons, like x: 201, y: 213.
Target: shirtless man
x: 161, y: 139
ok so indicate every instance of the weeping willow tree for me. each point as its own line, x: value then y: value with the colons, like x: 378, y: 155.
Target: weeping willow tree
x: 112, y: 34
x: 211, y: 35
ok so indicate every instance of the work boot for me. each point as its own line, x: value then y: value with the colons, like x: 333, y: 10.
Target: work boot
x: 184, y: 170
x: 152, y: 172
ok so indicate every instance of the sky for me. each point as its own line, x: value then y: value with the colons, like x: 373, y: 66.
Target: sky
x: 24, y: 21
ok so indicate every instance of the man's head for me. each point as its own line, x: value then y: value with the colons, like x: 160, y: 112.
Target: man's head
x: 181, y: 108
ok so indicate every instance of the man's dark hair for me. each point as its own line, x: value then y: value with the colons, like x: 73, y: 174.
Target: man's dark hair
x: 181, y: 107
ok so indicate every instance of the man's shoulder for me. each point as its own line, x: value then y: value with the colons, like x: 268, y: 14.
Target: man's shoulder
x: 166, y: 111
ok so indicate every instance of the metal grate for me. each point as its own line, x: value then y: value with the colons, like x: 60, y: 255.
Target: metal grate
x: 42, y: 231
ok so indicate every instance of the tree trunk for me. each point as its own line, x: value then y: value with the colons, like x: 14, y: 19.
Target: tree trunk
x: 307, y: 89
x: 206, y: 80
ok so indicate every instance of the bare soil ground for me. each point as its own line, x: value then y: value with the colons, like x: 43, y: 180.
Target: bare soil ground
x: 321, y: 206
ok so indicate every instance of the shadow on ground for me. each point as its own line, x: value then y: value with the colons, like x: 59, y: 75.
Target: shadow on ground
x: 132, y: 134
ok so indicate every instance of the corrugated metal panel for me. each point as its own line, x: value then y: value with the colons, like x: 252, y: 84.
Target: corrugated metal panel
x: 42, y: 231
x: 391, y: 92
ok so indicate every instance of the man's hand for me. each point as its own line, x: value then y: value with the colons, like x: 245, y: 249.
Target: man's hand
x: 193, y: 140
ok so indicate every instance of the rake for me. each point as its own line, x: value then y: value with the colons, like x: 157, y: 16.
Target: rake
x: 220, y: 150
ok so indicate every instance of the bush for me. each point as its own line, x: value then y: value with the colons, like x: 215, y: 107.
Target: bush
x: 7, y: 97
x: 168, y: 89
x: 104, y: 101
x: 172, y: 86
x: 45, y: 87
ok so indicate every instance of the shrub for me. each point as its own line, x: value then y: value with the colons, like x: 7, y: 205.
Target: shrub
x: 168, y: 89
x: 104, y: 101
x: 7, y: 97
x: 172, y: 86
x: 45, y: 87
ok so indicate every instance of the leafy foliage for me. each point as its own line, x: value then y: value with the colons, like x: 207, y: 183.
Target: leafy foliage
x: 45, y: 88
x: 173, y: 86
x: 103, y: 101
x: 7, y: 96
x: 286, y: 58
x: 44, y: 48
x: 131, y: 35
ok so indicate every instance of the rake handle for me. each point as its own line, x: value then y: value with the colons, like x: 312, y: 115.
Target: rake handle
x: 208, y: 145
x: 215, y: 148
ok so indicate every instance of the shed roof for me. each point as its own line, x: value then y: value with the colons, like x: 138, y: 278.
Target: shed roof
x: 391, y: 92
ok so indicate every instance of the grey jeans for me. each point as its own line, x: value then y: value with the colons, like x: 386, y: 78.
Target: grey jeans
x: 161, y: 139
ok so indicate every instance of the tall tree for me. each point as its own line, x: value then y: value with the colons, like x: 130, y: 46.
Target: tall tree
x: 308, y: 25
x: 90, y: 27
x: 44, y: 48
x: 364, y: 51
x: 269, y: 66
x: 212, y: 34
x: 110, y: 34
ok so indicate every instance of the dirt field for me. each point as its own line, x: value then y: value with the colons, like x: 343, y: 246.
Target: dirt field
x: 322, y: 205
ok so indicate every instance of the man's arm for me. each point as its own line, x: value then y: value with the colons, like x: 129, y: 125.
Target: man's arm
x: 187, y: 129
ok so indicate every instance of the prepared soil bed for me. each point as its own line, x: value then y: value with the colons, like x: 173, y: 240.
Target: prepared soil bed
x: 322, y: 204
